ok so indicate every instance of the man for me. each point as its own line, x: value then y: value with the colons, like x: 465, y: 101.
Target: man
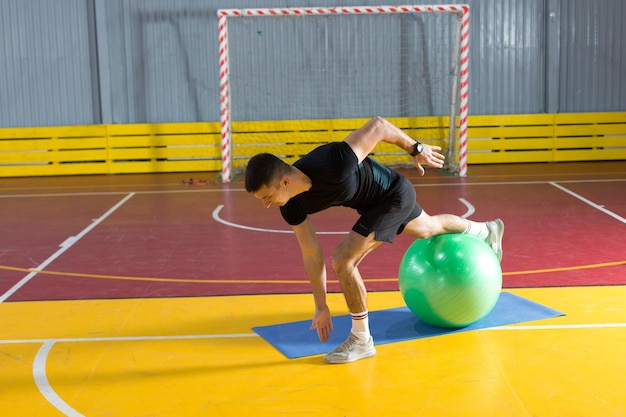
x: 341, y: 173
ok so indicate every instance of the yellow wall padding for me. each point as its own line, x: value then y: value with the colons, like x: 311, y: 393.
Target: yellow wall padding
x: 547, y: 137
x: 110, y: 149
x: 195, y: 147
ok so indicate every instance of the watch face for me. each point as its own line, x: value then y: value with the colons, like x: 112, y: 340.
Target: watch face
x: 417, y: 149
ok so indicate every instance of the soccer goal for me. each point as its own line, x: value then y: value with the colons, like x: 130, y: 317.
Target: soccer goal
x: 291, y: 79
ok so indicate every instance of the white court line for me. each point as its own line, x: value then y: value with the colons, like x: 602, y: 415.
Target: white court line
x: 253, y: 335
x: 39, y: 364
x: 418, y: 185
x: 591, y: 203
x: 218, y: 209
x: 217, y: 218
x: 100, y: 193
x: 126, y: 338
x: 470, y: 208
x: 63, y: 247
x: 41, y: 380
x: 561, y: 326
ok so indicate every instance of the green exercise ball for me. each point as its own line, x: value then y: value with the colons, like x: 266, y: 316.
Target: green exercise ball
x: 450, y: 280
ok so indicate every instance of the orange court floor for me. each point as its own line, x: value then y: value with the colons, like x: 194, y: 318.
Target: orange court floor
x: 136, y: 295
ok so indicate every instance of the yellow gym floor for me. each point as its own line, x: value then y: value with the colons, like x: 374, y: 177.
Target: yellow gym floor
x: 198, y: 356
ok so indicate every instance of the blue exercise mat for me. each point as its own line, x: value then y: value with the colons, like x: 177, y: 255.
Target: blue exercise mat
x: 295, y: 340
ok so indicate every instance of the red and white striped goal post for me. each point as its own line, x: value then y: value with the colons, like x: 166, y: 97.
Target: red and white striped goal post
x: 224, y: 65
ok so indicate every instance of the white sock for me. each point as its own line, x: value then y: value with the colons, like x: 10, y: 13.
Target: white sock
x: 477, y: 229
x: 361, y: 325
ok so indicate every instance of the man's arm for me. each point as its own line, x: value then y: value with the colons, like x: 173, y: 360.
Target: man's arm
x: 313, y: 259
x: 363, y: 140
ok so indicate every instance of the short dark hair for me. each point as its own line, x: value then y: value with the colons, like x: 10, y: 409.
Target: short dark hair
x: 264, y: 169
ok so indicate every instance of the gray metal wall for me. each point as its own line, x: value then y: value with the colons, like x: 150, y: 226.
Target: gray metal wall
x: 46, y: 67
x: 592, y: 55
x: 67, y: 62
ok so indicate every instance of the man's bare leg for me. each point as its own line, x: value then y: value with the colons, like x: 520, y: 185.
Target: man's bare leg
x: 345, y: 261
x: 426, y: 226
x: 346, y: 258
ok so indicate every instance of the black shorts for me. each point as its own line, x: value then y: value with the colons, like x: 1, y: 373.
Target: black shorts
x: 389, y: 218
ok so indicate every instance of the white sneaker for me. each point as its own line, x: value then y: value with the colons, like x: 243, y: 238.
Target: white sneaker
x: 496, y: 231
x: 351, y: 350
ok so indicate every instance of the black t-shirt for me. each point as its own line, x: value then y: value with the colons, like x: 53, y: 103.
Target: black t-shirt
x: 338, y: 180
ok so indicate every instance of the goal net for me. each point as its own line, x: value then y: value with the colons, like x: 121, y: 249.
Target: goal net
x: 294, y: 78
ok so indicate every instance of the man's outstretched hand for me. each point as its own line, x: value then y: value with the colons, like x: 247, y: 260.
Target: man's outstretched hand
x: 322, y: 321
x: 430, y: 157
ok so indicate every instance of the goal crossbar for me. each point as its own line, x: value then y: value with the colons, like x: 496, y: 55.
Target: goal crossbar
x: 462, y: 95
